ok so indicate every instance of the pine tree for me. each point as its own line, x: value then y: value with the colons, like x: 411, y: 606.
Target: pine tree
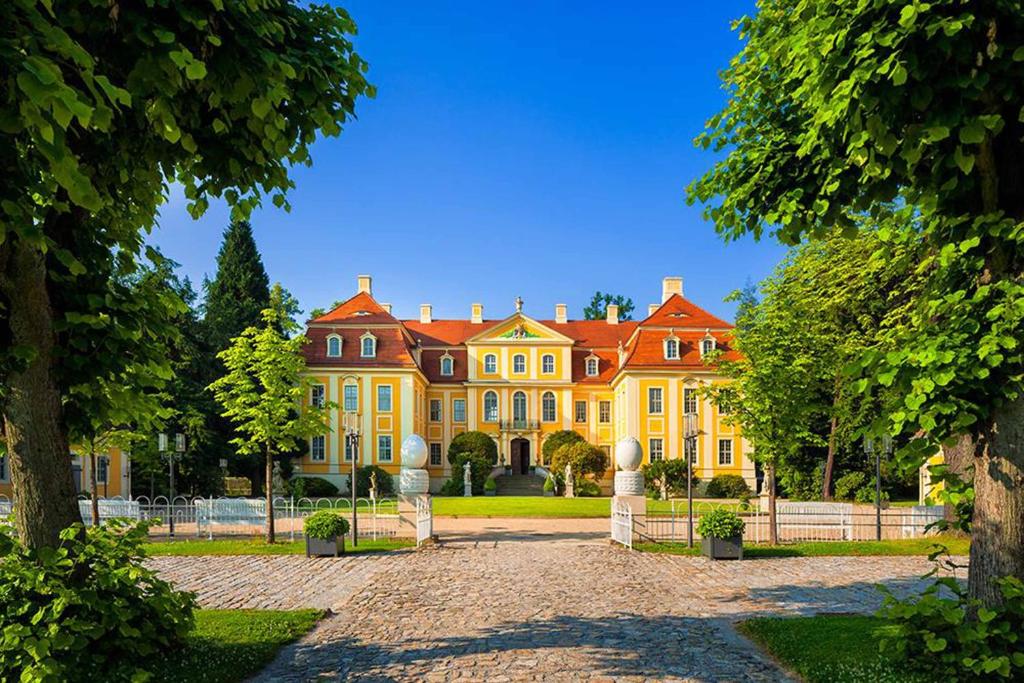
x: 239, y: 290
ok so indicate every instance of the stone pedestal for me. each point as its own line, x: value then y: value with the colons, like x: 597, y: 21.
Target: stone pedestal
x: 413, y: 482
x: 629, y: 483
x: 407, y: 514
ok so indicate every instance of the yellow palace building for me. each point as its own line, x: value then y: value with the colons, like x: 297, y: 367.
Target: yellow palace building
x: 517, y: 379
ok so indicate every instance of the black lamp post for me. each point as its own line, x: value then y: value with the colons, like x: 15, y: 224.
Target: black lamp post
x: 352, y: 440
x: 690, y: 433
x: 178, y: 452
x: 885, y: 448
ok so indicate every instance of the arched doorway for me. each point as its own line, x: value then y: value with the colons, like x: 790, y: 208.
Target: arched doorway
x: 520, y: 456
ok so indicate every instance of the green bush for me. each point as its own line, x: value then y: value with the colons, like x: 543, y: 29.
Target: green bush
x: 88, y: 610
x: 313, y: 487
x: 588, y: 489
x: 490, y: 484
x: 720, y: 523
x: 549, y: 485
x: 451, y: 487
x: 325, y: 525
x: 847, y: 485
x: 938, y: 636
x: 480, y: 467
x: 473, y: 442
x: 585, y: 459
x: 672, y: 472
x: 556, y: 440
x: 385, y: 482
x: 728, y: 486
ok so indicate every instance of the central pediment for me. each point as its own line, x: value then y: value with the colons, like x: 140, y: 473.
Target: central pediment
x: 519, y: 329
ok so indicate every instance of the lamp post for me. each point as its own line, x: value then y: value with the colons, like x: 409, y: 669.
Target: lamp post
x: 689, y: 441
x: 352, y: 442
x: 885, y: 448
x: 179, y: 450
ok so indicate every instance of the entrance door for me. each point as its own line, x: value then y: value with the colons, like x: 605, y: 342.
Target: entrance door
x: 520, y: 456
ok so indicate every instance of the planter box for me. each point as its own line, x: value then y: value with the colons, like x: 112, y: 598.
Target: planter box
x: 490, y: 493
x: 318, y: 547
x: 722, y: 548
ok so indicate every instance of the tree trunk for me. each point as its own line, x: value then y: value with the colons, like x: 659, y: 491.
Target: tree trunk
x: 94, y: 485
x: 37, y: 442
x: 269, y: 488
x: 830, y: 461
x: 997, y: 529
x: 773, y: 527
x: 958, y: 459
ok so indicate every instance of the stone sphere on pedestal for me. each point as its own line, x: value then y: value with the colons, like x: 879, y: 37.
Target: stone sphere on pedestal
x: 412, y: 481
x: 629, y: 483
x: 414, y: 452
x: 628, y: 454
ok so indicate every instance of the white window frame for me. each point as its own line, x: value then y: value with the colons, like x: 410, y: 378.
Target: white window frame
x: 355, y: 398
x: 384, y: 390
x: 671, y: 344
x: 317, y: 401
x: 655, y: 406
x: 593, y: 367
x: 545, y: 360
x: 525, y: 404
x: 655, y: 454
x: 337, y: 338
x: 578, y: 416
x: 491, y: 416
x: 447, y: 363
x: 725, y: 442
x: 318, y: 455
x: 103, y: 469
x: 368, y: 337
x: 548, y: 407
x: 690, y: 396
x: 707, y: 345
x: 519, y: 360
x: 439, y: 403
x: 436, y: 462
x: 383, y: 439
x: 458, y: 408
x: 490, y: 364
x: 604, y: 412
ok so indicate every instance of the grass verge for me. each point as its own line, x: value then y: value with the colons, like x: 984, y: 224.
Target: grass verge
x: 257, y: 547
x: 912, y: 546
x: 828, y: 649
x: 231, y: 645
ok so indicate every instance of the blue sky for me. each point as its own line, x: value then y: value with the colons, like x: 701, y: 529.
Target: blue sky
x: 535, y: 149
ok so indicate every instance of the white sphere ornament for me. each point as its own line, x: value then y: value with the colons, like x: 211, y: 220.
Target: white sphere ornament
x: 628, y: 454
x: 414, y: 452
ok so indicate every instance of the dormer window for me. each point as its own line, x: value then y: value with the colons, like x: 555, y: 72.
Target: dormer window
x: 707, y: 344
x: 333, y: 346
x: 368, y: 346
x: 447, y: 365
x: 592, y: 366
x: 671, y: 345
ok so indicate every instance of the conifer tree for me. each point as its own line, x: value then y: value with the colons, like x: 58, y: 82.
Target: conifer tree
x: 239, y: 290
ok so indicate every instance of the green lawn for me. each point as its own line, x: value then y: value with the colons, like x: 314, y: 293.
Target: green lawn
x: 828, y: 649
x: 913, y: 546
x: 232, y: 645
x: 255, y: 547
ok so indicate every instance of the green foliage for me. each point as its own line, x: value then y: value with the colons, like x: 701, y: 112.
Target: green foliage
x: 490, y: 484
x: 586, y: 460
x: 325, y: 525
x: 670, y: 473
x: 385, y: 482
x: 588, y: 489
x: 956, y: 638
x: 720, y: 523
x: 480, y: 468
x: 556, y: 440
x: 312, y: 487
x: 87, y: 610
x: 597, y: 309
x: 240, y: 290
x: 728, y: 486
x: 848, y: 485
x: 549, y: 485
x: 473, y: 442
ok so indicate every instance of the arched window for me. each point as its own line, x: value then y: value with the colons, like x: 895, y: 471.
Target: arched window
x: 368, y: 346
x: 707, y: 345
x: 671, y: 349
x: 334, y: 346
x: 519, y: 363
x: 519, y: 406
x: 547, y: 364
x: 490, y: 407
x: 447, y: 365
x: 591, y: 367
x: 490, y: 364
x: 549, y: 411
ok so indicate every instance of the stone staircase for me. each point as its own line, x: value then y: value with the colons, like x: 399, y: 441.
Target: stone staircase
x: 520, y: 485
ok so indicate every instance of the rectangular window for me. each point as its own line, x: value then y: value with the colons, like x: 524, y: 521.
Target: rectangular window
x: 690, y: 449
x: 581, y: 411
x: 435, y: 410
x: 725, y: 451
x: 604, y: 412
x: 384, y: 448
x: 102, y: 469
x: 318, y: 395
x: 654, y: 401
x: 519, y: 364
x: 351, y: 398
x: 548, y: 365
x: 459, y: 410
x: 490, y: 364
x: 384, y: 398
x: 318, y: 448
x: 689, y: 400
x: 435, y: 455
x: 656, y: 452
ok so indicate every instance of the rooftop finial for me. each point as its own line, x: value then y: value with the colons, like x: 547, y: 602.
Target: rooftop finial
x: 519, y: 304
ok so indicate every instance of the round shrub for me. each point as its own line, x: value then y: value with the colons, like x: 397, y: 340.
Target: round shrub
x: 585, y: 459
x: 671, y: 472
x: 490, y: 484
x: 556, y: 440
x: 720, y: 524
x: 588, y: 489
x: 88, y: 610
x: 385, y: 482
x: 325, y: 525
x: 477, y: 443
x: 728, y: 486
x: 480, y: 467
x: 549, y: 485
x: 313, y: 487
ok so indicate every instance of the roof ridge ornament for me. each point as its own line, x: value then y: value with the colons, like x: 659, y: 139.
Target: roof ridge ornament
x: 519, y: 304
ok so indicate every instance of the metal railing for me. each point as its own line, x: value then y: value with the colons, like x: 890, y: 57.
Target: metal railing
x: 622, y: 524
x: 424, y: 519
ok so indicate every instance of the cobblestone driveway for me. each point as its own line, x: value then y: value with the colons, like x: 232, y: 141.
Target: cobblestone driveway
x: 535, y: 611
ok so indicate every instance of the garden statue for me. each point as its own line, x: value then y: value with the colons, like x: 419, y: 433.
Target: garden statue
x: 373, y: 485
x: 570, y: 484
x: 467, y: 480
x: 277, y: 480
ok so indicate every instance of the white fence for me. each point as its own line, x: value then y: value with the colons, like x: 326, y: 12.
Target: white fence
x: 622, y: 524
x: 424, y: 519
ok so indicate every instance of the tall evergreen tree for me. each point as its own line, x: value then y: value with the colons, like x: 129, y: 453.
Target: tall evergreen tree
x: 239, y: 290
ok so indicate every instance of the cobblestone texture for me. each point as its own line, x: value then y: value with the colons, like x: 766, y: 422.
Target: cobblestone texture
x: 502, y: 611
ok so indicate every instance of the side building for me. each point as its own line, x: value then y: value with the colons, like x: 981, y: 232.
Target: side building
x: 517, y: 379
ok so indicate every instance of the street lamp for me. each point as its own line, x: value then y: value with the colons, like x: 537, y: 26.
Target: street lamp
x: 690, y: 433
x: 177, y: 453
x: 885, y: 448
x: 352, y: 446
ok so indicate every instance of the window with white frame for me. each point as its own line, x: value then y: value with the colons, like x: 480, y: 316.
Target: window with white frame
x: 655, y: 450
x: 369, y: 346
x: 351, y: 399
x: 384, y: 448
x: 581, y: 411
x: 604, y: 412
x: 334, y: 346
x: 592, y: 367
x: 547, y: 364
x: 318, y: 395
x: 435, y: 455
x: 447, y: 366
x: 435, y: 410
x: 671, y: 349
x: 690, y: 449
x: 519, y: 406
x: 318, y: 448
x: 519, y: 363
x: 490, y: 364
x: 548, y: 408
x: 459, y: 410
x: 490, y: 407
x: 102, y: 469
x: 707, y: 345
x: 725, y: 451
x: 689, y: 400
x: 384, y: 398
x: 654, y: 402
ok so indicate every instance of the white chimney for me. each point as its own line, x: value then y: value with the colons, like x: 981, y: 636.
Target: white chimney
x: 425, y: 311
x: 365, y: 283
x: 478, y: 314
x: 651, y: 308
x: 670, y: 286
x: 613, y: 314
x: 561, y: 313
x: 387, y: 308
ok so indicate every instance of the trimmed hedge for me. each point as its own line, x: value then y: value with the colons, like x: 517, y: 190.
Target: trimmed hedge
x: 728, y: 486
x: 313, y: 487
x: 473, y: 442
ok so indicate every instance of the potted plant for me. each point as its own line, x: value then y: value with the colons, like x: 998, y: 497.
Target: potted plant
x: 721, y: 534
x: 490, y: 487
x: 325, y: 534
x: 549, y: 487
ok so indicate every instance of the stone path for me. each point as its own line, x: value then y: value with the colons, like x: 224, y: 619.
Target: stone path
x: 500, y: 611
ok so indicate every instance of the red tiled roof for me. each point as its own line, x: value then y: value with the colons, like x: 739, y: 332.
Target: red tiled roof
x: 647, y: 350
x: 359, y: 309
x: 680, y: 313
x: 446, y: 332
x: 594, y: 333
x: 430, y: 361
x: 392, y: 349
x: 607, y: 366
